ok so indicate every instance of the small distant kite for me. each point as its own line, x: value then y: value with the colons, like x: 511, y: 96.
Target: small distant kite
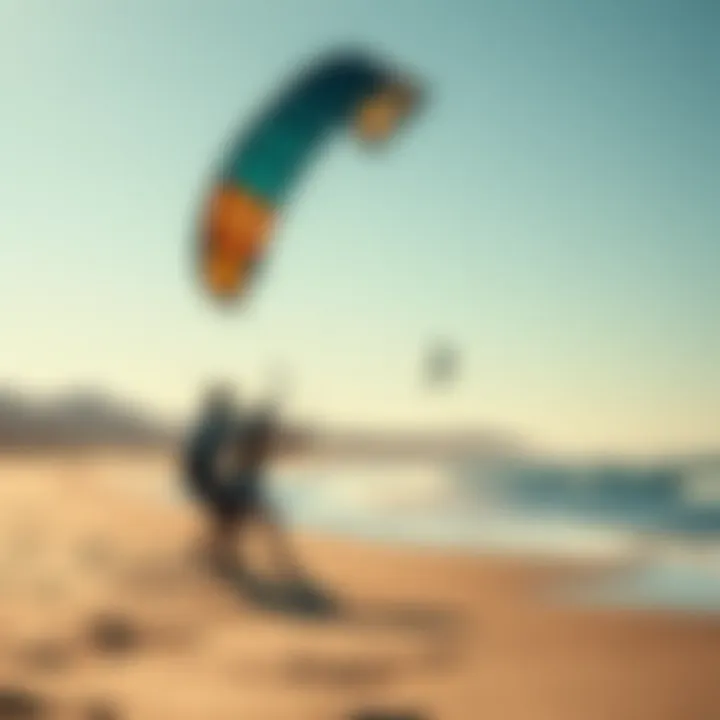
x: 261, y: 168
x: 441, y: 365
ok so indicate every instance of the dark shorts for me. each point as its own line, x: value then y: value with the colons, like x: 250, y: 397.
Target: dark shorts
x: 230, y: 501
x: 234, y: 503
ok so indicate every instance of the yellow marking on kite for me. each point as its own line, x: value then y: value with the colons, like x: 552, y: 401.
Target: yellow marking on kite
x: 378, y: 116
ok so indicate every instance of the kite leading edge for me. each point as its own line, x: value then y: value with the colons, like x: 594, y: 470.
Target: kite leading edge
x: 262, y: 166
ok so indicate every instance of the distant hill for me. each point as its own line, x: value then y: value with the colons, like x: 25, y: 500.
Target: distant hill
x: 81, y: 418
x: 86, y: 419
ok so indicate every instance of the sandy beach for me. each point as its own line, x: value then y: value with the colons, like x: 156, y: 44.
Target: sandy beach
x: 104, y: 608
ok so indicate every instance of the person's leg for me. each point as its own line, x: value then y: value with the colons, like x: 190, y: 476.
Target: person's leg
x: 284, y: 558
x: 202, y: 491
x: 222, y: 541
x: 296, y: 589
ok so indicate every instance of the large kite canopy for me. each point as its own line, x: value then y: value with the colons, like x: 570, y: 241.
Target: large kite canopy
x: 261, y: 167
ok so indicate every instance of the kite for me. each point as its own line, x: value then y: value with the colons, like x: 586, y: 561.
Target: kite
x: 441, y: 365
x: 263, y: 164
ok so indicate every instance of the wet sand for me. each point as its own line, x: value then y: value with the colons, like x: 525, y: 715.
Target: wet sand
x: 105, y: 611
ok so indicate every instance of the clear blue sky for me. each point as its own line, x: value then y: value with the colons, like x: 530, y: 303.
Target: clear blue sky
x: 555, y: 212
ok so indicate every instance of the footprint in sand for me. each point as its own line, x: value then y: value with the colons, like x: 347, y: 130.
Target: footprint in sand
x: 387, y: 715
x: 17, y: 703
x: 113, y: 634
x: 101, y: 711
x: 46, y: 656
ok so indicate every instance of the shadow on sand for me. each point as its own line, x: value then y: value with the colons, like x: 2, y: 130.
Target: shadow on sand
x: 438, y: 631
x: 312, y: 602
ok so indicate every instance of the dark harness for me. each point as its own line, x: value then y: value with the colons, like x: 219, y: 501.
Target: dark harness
x: 227, y: 497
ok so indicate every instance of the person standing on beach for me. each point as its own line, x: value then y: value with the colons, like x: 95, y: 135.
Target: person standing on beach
x: 208, y: 466
x: 226, y: 473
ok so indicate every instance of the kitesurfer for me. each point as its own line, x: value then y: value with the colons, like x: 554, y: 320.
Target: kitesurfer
x: 225, y: 473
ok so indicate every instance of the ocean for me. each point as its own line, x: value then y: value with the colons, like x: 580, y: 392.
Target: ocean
x: 662, y: 524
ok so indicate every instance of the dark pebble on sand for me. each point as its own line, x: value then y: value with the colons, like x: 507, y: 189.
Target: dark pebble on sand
x: 20, y: 704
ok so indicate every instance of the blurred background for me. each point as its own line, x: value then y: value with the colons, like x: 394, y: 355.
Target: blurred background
x: 551, y: 213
